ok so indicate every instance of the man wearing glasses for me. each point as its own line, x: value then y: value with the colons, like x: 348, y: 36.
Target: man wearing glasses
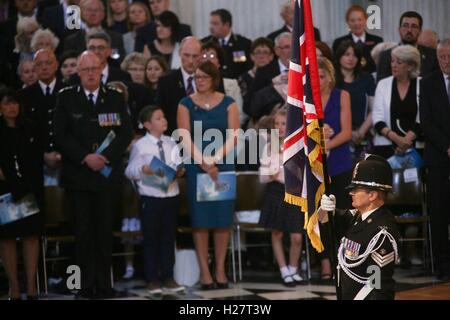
x: 410, y: 28
x: 92, y: 132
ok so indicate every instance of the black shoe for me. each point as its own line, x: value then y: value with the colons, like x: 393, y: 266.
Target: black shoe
x: 289, y: 282
x: 206, y: 287
x: 224, y: 285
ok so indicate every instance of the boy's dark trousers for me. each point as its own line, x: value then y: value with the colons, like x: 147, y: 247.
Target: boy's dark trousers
x: 158, y: 222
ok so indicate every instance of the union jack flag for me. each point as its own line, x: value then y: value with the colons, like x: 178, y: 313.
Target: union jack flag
x: 303, y: 168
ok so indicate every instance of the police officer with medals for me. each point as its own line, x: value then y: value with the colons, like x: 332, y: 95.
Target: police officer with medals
x: 368, y: 251
x: 92, y: 131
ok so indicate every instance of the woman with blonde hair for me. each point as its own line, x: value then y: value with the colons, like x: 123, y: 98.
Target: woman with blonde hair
x: 134, y: 64
x: 44, y: 39
x: 338, y: 133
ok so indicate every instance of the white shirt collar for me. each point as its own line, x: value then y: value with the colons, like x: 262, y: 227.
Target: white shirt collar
x: 44, y: 86
x: 446, y: 80
x: 185, y: 79
x: 282, y: 67
x: 87, y: 92
x: 365, y: 215
x: 105, y: 74
x: 356, y: 38
x: 289, y: 28
x: 227, y: 38
x: 152, y: 138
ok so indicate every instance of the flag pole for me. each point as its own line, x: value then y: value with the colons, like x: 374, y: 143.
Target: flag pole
x: 315, y: 87
x: 331, y: 222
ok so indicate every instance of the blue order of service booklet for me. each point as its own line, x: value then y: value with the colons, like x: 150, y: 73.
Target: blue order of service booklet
x: 223, y: 189
x: 162, y: 177
x: 106, y: 171
x: 12, y: 211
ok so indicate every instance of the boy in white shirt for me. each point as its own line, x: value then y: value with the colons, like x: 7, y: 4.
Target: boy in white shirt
x: 159, y: 208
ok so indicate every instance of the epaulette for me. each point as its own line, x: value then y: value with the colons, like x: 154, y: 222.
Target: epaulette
x: 67, y: 88
x: 113, y: 88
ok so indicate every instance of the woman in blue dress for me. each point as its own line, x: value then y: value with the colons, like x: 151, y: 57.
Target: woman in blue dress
x: 208, y: 109
x: 338, y: 134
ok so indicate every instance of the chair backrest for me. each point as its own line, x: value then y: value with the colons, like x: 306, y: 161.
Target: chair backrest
x: 249, y: 191
x: 407, y: 188
x: 56, y: 206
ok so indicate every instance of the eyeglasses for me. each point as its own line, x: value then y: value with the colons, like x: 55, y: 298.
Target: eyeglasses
x: 200, y: 77
x: 209, y: 56
x: 89, y: 69
x: 47, y: 63
x: 99, y: 48
x: 410, y: 26
x: 261, y: 53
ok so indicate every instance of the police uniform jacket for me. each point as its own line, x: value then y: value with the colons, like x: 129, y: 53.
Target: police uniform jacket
x: 40, y: 109
x: 80, y: 129
x: 237, y: 55
x: 380, y: 228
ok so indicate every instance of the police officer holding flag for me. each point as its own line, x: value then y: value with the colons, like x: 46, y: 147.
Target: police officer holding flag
x: 368, y: 251
x: 92, y: 131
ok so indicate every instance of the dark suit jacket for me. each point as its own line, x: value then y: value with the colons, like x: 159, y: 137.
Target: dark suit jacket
x: 435, y: 119
x: 77, y: 43
x: 276, y: 33
x: 237, y: 56
x: 428, y: 57
x: 371, y: 42
x: 40, y: 109
x: 79, y: 132
x: 170, y: 91
x: 53, y: 19
x: 263, y: 78
x: 146, y: 34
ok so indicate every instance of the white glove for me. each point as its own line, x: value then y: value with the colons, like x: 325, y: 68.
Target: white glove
x: 328, y: 203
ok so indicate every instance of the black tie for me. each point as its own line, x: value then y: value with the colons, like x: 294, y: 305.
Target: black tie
x: 162, y: 157
x: 91, y: 99
x: 47, y: 91
x: 358, y: 219
x: 222, y: 42
x: 190, y: 86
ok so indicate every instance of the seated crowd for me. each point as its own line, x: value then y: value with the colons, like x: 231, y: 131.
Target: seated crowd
x: 134, y: 74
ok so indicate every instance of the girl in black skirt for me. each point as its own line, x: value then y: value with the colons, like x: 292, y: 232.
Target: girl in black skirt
x: 21, y: 163
x: 277, y: 215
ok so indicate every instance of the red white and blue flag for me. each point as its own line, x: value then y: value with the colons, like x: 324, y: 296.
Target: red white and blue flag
x: 303, y: 167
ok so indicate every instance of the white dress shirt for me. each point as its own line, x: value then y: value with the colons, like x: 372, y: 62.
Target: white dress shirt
x: 447, y: 80
x: 142, y: 153
x: 105, y: 74
x: 365, y: 215
x: 356, y: 38
x: 44, y: 86
x: 283, y: 68
x: 95, y: 93
x: 185, y: 79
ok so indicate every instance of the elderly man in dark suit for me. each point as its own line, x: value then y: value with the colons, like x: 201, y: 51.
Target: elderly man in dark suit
x: 410, y: 28
x: 179, y: 83
x: 92, y: 15
x: 435, y: 120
